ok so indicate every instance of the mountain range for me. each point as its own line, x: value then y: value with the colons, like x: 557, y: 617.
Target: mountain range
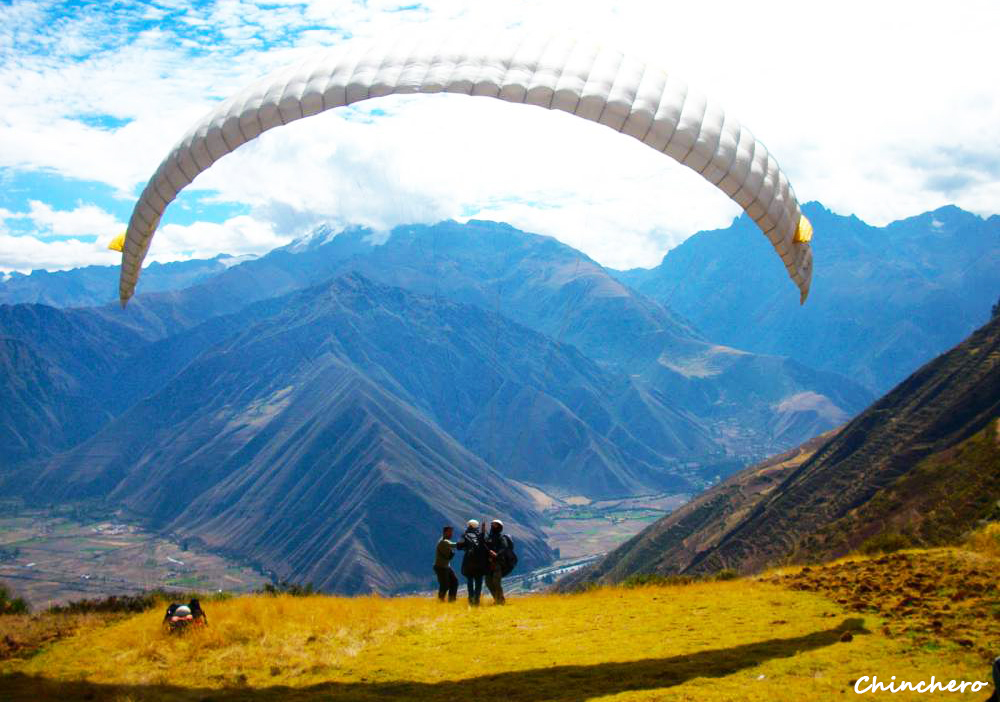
x: 95, y: 285
x: 884, y: 300
x: 278, y: 408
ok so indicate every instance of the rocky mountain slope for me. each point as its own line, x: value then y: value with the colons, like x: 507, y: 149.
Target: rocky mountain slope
x: 539, y: 411
x: 752, y: 404
x: 278, y: 446
x: 52, y: 365
x: 921, y: 466
x: 557, y: 290
x: 884, y: 299
x: 42, y: 409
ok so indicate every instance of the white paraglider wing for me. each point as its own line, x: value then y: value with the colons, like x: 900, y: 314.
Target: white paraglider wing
x: 558, y: 73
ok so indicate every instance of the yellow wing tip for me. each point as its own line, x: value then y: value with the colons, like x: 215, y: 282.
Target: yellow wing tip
x: 118, y: 243
x: 804, y: 231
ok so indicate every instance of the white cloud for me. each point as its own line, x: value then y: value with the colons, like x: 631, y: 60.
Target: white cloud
x: 445, y: 157
x: 82, y: 221
x: 237, y: 235
x: 55, y: 238
x: 85, y: 220
x: 26, y: 253
x: 880, y: 109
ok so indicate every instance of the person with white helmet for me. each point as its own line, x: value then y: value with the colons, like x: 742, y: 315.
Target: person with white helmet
x: 475, y: 561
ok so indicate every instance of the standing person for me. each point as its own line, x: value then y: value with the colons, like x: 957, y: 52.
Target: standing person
x: 443, y: 553
x: 996, y: 681
x: 502, y: 560
x: 474, y: 561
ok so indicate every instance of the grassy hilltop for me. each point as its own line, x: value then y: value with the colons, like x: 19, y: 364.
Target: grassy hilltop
x: 789, y: 635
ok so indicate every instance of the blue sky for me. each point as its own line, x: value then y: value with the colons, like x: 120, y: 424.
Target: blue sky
x: 882, y: 109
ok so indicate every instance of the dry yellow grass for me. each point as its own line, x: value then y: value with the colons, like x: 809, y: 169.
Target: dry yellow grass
x: 737, y: 640
x: 986, y: 540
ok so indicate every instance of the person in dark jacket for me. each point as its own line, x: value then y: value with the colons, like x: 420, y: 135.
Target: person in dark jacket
x: 443, y: 553
x: 475, y: 560
x: 996, y: 681
x: 497, y: 544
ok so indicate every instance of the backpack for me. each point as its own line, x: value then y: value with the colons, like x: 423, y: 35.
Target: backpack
x: 508, y: 559
x: 476, y: 558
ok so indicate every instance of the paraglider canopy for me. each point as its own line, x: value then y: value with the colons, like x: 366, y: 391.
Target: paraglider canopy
x: 585, y: 79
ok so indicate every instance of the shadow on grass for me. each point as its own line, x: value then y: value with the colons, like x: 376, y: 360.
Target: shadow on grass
x: 559, y: 683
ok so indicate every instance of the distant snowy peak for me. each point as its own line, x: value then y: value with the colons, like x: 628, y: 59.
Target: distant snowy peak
x: 354, y: 236
x: 326, y: 234
x: 323, y: 234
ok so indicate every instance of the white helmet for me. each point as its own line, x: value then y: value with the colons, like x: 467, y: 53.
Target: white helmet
x: 472, y: 524
x: 182, y: 611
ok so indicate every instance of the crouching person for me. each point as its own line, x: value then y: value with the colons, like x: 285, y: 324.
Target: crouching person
x: 502, y: 560
x: 181, y: 616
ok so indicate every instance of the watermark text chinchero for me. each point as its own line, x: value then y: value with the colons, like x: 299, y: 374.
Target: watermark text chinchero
x: 873, y: 684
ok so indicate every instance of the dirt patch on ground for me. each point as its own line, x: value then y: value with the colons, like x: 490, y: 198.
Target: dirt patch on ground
x: 937, y: 596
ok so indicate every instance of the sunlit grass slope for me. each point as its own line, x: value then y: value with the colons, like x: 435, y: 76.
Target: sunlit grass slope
x: 733, y: 640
